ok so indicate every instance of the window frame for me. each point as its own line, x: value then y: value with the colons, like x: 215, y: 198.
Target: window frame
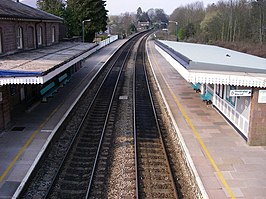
x: 19, y: 38
x: 40, y: 36
x: 230, y: 99
x: 1, y: 43
x: 53, y: 34
x: 220, y: 90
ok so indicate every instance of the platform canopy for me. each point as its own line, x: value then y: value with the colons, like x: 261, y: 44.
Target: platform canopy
x: 40, y: 65
x: 214, y: 65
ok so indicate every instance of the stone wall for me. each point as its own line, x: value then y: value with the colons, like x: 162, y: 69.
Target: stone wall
x: 5, y: 116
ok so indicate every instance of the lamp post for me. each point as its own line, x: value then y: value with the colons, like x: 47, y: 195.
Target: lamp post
x: 87, y: 20
x: 176, y: 24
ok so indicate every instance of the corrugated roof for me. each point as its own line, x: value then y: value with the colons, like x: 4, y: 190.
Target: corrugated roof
x: 214, y: 58
x: 12, y: 9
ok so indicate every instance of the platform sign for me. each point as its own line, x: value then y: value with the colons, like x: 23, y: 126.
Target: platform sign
x: 240, y: 92
x: 262, y: 96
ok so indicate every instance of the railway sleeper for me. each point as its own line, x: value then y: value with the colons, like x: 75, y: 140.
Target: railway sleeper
x: 84, y: 151
x: 151, y: 169
x: 151, y: 144
x: 82, y: 158
x: 69, y: 193
x: 84, y: 145
x: 148, y: 138
x: 72, y: 183
x: 76, y: 170
x: 150, y: 150
x: 160, y: 191
x: 152, y: 156
x: 76, y: 177
x: 82, y: 164
x: 99, y: 182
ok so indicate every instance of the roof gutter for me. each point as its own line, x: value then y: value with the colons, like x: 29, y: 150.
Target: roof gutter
x: 29, y: 20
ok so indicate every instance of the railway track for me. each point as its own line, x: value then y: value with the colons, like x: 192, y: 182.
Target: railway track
x: 67, y: 168
x: 153, y: 172
x: 111, y: 145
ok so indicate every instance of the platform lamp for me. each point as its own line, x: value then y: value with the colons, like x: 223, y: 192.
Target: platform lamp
x: 176, y: 24
x: 83, y: 22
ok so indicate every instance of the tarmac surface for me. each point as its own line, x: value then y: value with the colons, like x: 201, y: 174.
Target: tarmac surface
x: 227, y: 166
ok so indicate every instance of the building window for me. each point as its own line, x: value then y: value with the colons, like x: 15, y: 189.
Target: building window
x: 19, y: 38
x: 230, y: 99
x: 40, y: 36
x: 1, y: 46
x: 53, y: 34
x: 31, y: 39
x: 220, y: 90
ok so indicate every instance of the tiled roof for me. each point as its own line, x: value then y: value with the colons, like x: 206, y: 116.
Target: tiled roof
x: 12, y: 9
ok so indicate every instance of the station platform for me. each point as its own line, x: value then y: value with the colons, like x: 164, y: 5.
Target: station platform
x: 227, y: 166
x: 20, y: 145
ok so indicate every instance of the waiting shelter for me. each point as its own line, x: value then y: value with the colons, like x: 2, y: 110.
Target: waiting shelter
x: 234, y: 82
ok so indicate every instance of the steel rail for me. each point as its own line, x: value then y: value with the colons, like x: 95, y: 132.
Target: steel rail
x: 106, y: 121
x: 156, y: 121
x: 135, y: 132
x: 80, y: 126
x: 158, y: 125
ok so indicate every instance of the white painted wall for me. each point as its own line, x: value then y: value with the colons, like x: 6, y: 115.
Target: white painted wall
x: 238, y: 114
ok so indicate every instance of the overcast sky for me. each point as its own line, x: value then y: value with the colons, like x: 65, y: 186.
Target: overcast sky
x: 117, y: 7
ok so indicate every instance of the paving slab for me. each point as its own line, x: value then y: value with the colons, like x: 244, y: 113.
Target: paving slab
x: 19, y: 147
x: 223, y: 159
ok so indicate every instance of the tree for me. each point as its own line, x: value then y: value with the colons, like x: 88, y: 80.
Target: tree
x: 189, y: 18
x: 76, y: 11
x: 144, y: 17
x: 123, y: 24
x: 79, y: 10
x: 55, y: 7
x: 211, y: 26
x: 160, y: 16
x: 139, y: 13
x: 259, y: 17
x: 190, y: 30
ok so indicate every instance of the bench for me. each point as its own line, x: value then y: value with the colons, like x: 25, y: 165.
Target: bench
x: 64, y: 79
x: 207, y: 97
x: 196, y: 87
x: 48, y: 91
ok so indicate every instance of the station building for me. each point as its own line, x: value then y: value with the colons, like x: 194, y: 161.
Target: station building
x: 34, y: 62
x: 234, y: 82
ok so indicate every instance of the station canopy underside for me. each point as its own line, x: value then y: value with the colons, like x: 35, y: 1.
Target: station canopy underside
x: 214, y: 65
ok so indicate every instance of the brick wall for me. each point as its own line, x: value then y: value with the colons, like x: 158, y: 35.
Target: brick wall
x: 5, y: 116
x: 257, y: 121
x: 9, y: 29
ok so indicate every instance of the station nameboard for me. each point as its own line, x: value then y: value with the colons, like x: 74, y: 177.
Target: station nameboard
x: 240, y: 92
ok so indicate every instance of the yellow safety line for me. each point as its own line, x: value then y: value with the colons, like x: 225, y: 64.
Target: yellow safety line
x: 18, y: 155
x: 25, y: 146
x: 220, y: 175
x: 31, y: 138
